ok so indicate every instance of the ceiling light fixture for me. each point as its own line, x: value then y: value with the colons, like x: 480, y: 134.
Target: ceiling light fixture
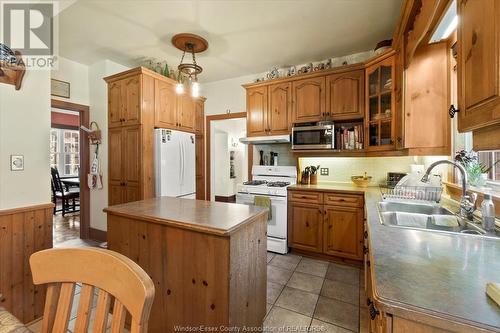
x: 191, y: 44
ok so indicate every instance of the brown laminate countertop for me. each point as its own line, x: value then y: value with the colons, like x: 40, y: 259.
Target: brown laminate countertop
x: 333, y: 187
x: 217, y: 218
x: 434, y: 277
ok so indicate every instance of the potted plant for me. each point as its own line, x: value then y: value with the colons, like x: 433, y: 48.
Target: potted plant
x: 314, y: 174
x: 477, y: 172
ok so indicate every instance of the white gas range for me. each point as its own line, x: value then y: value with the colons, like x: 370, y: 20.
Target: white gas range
x: 271, y: 182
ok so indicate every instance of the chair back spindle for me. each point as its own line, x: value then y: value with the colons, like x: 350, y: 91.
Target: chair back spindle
x: 110, y: 277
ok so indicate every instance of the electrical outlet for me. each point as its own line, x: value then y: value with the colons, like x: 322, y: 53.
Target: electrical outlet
x: 323, y: 171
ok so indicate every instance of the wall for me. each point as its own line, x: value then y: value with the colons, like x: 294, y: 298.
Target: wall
x: 228, y: 94
x: 285, y: 156
x: 222, y: 184
x: 225, y: 135
x: 98, y: 102
x: 342, y: 168
x: 24, y: 130
x: 77, y: 75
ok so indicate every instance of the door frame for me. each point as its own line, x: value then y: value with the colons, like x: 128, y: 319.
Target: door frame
x: 83, y: 111
x: 208, y: 171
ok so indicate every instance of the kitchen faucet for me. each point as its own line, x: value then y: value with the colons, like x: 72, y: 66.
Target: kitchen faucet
x: 467, y: 203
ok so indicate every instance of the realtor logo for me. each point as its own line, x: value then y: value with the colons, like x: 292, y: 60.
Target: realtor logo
x: 29, y: 27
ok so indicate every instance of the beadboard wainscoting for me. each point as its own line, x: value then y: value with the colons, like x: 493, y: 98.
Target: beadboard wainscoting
x: 23, y: 231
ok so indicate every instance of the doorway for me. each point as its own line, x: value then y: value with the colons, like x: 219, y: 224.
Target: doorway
x: 228, y: 160
x: 69, y: 151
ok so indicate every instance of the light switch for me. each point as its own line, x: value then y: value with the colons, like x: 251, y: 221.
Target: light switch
x: 323, y: 171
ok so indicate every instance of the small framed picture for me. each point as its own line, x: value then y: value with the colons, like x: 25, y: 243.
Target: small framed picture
x: 16, y: 162
x: 59, y: 88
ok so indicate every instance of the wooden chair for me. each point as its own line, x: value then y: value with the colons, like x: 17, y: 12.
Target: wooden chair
x: 59, y: 191
x: 118, y: 278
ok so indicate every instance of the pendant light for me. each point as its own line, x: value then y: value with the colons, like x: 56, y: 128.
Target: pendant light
x: 190, y: 44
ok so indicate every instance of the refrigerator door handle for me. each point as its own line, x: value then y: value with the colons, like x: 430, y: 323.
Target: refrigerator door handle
x: 183, y: 162
x: 180, y: 162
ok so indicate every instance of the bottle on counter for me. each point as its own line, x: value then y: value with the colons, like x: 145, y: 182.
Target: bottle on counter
x: 488, y: 213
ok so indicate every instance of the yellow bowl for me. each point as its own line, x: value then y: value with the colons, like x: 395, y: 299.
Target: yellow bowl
x: 361, y: 181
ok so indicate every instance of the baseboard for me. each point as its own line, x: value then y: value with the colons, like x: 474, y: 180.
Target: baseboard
x: 220, y: 198
x: 98, y: 235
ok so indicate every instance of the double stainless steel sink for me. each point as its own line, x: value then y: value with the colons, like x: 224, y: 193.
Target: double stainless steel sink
x: 430, y: 217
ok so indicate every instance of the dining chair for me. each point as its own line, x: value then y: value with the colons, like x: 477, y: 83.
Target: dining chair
x: 119, y: 283
x: 59, y: 191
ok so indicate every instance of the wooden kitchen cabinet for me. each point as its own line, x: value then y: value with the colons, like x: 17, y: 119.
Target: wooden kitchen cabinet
x: 257, y: 107
x: 174, y: 111
x: 309, y: 99
x: 328, y: 223
x: 140, y: 100
x: 345, y: 95
x: 124, y: 167
x: 186, y: 113
x: 478, y: 60
x: 343, y: 232
x: 165, y: 104
x: 279, y: 112
x: 199, y: 116
x: 305, y: 226
x: 380, y: 105
x: 124, y: 102
x: 427, y: 99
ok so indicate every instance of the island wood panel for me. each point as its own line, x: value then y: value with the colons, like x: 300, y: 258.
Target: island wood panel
x: 249, y: 275
x: 23, y: 231
x: 194, y: 279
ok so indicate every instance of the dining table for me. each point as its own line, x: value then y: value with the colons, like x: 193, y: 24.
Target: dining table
x: 71, y: 182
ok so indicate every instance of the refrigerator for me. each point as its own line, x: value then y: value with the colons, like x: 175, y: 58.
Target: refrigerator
x: 175, y: 164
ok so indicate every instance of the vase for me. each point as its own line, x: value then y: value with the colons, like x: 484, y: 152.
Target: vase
x: 313, y: 180
x: 477, y: 179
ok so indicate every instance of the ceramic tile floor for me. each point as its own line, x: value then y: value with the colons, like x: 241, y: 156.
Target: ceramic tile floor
x: 305, y: 294
x: 315, y: 294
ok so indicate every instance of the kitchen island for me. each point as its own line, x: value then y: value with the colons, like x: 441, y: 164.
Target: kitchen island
x: 207, y: 260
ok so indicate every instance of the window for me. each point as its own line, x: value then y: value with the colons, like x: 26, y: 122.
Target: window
x: 488, y: 159
x: 65, y: 151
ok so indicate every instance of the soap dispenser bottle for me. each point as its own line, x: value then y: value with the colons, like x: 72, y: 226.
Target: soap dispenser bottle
x: 488, y: 213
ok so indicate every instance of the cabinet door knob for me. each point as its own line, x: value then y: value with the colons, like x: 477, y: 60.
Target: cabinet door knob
x: 452, y: 111
x: 307, y: 224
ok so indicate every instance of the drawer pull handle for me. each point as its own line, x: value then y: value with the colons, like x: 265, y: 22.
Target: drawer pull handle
x: 303, y: 197
x: 373, y: 312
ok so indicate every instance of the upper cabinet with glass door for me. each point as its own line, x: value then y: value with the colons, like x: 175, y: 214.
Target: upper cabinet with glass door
x: 380, y: 105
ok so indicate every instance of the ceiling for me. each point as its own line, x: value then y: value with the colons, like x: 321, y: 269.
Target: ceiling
x: 245, y: 37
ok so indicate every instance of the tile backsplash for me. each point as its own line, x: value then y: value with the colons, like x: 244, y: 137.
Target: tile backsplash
x: 285, y: 157
x: 342, y: 168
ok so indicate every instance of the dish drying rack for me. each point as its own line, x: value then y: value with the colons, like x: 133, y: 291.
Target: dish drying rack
x: 420, y: 193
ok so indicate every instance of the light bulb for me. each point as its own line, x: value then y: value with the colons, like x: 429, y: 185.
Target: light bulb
x: 195, y: 89
x: 179, y: 88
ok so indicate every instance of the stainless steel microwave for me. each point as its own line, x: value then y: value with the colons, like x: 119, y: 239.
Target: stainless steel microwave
x: 313, y: 136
